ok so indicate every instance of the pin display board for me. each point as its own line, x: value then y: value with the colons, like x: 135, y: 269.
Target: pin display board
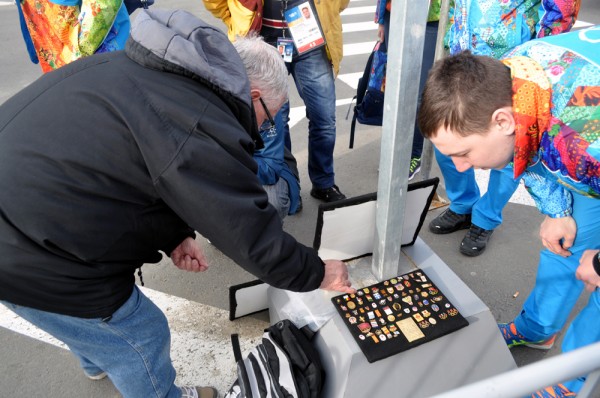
x: 398, y: 314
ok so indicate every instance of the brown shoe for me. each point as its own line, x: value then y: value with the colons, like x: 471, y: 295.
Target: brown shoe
x: 198, y: 392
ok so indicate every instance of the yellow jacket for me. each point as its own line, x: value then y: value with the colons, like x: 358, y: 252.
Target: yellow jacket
x: 243, y: 16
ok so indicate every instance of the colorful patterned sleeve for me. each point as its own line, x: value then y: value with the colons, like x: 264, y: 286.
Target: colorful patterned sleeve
x: 62, y: 31
x: 96, y: 18
x: 380, y: 11
x: 557, y: 16
x: 94, y: 22
x: 550, y: 198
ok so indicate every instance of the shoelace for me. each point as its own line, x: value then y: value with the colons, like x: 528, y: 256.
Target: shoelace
x: 451, y: 217
x: 477, y: 234
x: 414, y: 163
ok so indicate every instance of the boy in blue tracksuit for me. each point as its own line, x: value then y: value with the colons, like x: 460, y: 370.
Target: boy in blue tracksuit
x: 535, y: 112
x: 491, y: 27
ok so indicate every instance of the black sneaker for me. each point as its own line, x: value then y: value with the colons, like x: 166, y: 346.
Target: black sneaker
x: 475, y: 241
x: 449, y: 221
x: 331, y: 194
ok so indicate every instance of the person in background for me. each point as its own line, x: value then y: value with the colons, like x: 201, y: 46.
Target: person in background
x: 161, y: 146
x: 57, y: 32
x: 314, y: 73
x: 490, y: 27
x: 382, y: 18
x: 535, y: 112
x: 277, y: 171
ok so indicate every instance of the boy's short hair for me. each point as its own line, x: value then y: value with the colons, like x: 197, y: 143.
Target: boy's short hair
x: 461, y: 94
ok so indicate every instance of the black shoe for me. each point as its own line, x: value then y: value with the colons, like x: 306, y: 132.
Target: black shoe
x: 475, y: 241
x: 449, y: 221
x: 331, y: 194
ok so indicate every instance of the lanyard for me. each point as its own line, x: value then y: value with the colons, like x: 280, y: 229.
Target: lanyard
x: 284, y: 5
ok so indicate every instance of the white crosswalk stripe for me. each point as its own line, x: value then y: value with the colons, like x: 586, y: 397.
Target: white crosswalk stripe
x: 351, y: 79
x: 359, y: 48
x: 359, y: 10
x: 581, y: 24
x: 358, y: 27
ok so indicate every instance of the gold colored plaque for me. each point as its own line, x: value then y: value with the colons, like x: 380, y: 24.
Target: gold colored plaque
x: 410, y: 329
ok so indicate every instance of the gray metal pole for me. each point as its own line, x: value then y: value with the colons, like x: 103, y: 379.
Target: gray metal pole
x: 405, y: 49
x: 440, y: 52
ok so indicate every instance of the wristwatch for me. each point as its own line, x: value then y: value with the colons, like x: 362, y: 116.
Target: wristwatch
x: 596, y: 263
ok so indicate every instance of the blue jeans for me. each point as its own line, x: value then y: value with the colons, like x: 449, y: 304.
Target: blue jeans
x: 279, y: 197
x: 556, y: 289
x: 463, y: 192
x: 132, y: 347
x: 313, y: 75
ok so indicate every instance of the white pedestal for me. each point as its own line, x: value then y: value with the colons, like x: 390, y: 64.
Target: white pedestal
x: 470, y: 354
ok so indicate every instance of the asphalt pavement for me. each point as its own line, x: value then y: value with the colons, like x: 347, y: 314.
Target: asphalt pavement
x: 32, y: 365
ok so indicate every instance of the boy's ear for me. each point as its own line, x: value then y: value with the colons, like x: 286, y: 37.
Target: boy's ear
x: 503, y: 120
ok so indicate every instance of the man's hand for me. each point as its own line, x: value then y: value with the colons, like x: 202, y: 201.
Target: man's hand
x: 586, y: 272
x: 336, y: 277
x: 553, y: 230
x: 381, y: 33
x: 188, y: 256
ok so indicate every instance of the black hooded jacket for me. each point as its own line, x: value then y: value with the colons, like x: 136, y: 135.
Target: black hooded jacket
x: 114, y: 157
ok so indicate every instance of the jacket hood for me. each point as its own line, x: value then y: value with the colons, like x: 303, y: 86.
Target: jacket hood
x: 181, y: 39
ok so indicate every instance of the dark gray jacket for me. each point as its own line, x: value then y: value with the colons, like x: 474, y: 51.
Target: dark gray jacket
x: 112, y: 158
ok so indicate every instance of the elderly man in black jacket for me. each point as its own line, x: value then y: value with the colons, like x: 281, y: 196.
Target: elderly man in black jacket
x: 112, y: 158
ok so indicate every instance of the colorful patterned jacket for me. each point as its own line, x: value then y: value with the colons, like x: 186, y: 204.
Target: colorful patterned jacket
x: 493, y: 27
x: 556, y: 104
x: 57, y: 32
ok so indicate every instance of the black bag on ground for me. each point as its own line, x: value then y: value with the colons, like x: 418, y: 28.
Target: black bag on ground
x: 285, y: 364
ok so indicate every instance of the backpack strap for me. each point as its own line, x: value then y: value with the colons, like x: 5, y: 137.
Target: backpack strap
x: 235, y: 344
x: 361, y: 89
x: 352, y: 128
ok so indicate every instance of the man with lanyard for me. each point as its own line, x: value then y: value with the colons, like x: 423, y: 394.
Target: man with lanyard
x: 313, y: 69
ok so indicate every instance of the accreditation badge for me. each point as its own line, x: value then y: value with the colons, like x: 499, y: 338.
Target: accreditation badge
x: 303, y: 24
x: 285, y: 47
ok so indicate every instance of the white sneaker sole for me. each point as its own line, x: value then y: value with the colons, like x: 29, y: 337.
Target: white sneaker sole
x: 96, y: 377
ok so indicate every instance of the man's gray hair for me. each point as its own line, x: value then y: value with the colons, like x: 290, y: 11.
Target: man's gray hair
x: 265, y: 68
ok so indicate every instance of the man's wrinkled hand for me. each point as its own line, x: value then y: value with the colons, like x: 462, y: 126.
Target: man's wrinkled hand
x: 586, y: 272
x: 381, y: 33
x: 336, y: 277
x: 188, y: 256
x: 558, y: 234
